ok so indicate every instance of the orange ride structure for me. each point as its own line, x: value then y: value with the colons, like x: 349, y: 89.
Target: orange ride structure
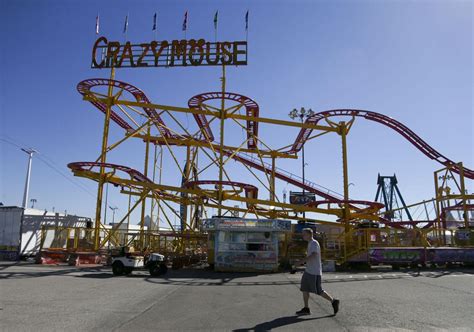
x: 193, y: 194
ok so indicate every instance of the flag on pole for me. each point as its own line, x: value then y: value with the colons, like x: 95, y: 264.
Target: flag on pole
x: 125, y: 27
x: 247, y: 21
x: 154, y: 22
x: 97, y: 24
x: 185, y: 22
x: 215, y: 19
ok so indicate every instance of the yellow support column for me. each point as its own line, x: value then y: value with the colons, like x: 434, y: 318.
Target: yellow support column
x: 159, y: 181
x: 343, y: 133
x: 463, y: 196
x: 438, y: 193
x: 142, y: 222
x: 221, y: 154
x: 272, y: 181
x: 152, y: 207
x: 187, y: 174
x: 103, y: 159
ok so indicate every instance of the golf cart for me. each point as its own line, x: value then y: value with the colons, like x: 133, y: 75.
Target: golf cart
x: 128, y: 260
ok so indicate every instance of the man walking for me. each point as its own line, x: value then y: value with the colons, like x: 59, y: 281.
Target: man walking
x: 311, y: 280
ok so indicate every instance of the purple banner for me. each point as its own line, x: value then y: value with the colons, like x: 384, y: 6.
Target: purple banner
x: 451, y: 255
x: 6, y: 255
x: 420, y: 255
x: 396, y: 255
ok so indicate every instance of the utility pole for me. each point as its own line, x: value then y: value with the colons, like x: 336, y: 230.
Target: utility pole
x: 30, y: 152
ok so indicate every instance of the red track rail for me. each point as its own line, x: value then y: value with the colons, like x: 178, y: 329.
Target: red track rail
x: 85, y: 87
x: 251, y: 109
x: 86, y: 166
x: 400, y: 128
x: 250, y: 190
x: 370, y: 206
x: 283, y: 176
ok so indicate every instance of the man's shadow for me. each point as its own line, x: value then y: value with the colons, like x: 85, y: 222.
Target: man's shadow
x: 279, y: 322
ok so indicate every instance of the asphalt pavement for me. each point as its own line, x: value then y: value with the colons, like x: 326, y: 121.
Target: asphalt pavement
x: 63, y: 298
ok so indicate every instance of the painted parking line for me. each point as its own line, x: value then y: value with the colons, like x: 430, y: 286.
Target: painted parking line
x: 366, y: 277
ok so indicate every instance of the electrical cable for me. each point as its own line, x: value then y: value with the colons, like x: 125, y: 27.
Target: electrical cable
x: 44, y: 159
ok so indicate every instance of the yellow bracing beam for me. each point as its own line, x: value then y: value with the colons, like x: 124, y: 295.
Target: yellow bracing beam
x: 192, y: 142
x: 211, y: 113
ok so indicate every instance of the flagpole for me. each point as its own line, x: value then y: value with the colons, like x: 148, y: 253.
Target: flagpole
x: 247, y: 26
x: 97, y: 22
x: 155, y: 27
x: 216, y: 25
x: 126, y: 28
x: 185, y: 24
x: 97, y: 27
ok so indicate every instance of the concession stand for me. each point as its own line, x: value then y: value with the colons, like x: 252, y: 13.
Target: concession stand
x: 245, y: 245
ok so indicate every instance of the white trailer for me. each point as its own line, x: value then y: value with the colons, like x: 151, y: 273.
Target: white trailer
x: 10, y: 230
x: 28, y: 222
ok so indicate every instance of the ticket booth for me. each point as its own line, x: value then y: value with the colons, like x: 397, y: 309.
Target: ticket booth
x: 245, y: 245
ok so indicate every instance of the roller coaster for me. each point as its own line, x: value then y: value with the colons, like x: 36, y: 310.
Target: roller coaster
x: 128, y: 107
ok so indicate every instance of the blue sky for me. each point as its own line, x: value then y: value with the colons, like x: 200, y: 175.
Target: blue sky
x: 410, y: 60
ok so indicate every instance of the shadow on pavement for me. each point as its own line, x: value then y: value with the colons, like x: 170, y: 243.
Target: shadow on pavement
x: 210, y: 278
x: 203, y: 277
x: 55, y: 271
x: 103, y: 275
x: 6, y: 264
x: 279, y: 322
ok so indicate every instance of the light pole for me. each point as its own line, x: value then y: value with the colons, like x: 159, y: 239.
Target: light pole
x: 350, y: 184
x: 30, y: 152
x: 33, y: 201
x: 302, y: 114
x: 175, y: 214
x: 113, y: 213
